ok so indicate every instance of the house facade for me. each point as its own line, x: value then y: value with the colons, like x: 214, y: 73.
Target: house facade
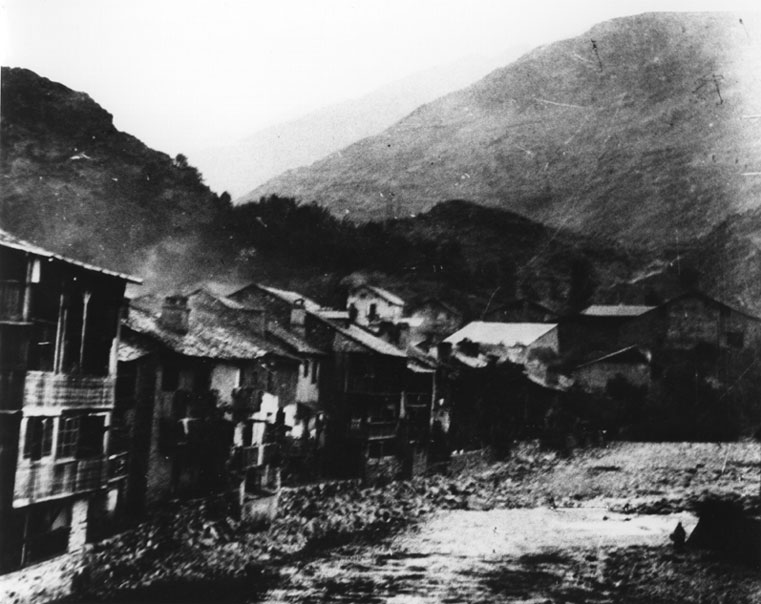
x: 62, y: 477
x: 368, y: 304
x: 206, y: 398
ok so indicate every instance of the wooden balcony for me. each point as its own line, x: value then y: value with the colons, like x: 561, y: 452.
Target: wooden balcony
x: 48, y: 389
x: 54, y: 479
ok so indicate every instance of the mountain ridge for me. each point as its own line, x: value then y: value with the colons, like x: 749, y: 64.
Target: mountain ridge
x: 640, y: 149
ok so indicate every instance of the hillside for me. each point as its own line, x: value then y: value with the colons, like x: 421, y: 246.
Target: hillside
x: 76, y: 185
x: 638, y: 146
x: 241, y: 166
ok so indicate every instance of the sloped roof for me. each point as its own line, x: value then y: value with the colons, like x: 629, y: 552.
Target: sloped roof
x: 699, y: 294
x: 382, y: 293
x: 203, y: 340
x: 370, y: 341
x: 333, y: 314
x: 616, y: 310
x: 11, y: 241
x: 501, y: 334
x: 131, y: 348
x: 292, y: 340
x: 291, y: 297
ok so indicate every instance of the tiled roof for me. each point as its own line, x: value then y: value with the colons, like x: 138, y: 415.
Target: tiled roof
x: 616, y: 310
x: 202, y: 340
x: 11, y: 241
x: 292, y: 340
x: 291, y: 297
x: 370, y: 341
x: 501, y: 334
x: 383, y: 293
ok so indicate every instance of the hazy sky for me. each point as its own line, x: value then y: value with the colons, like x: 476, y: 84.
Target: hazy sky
x: 183, y: 74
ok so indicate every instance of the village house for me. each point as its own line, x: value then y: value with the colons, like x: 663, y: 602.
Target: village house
x: 62, y: 477
x: 486, y: 382
x: 377, y: 411
x: 202, y: 393
x: 368, y: 304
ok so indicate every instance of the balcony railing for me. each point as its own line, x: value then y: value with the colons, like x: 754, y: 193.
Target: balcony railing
x: 47, y: 389
x: 11, y: 300
x: 59, y: 479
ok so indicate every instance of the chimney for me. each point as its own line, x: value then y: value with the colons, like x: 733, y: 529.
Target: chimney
x: 175, y: 314
x: 298, y: 318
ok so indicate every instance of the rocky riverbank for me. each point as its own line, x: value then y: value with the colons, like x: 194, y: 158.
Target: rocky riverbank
x: 199, y: 550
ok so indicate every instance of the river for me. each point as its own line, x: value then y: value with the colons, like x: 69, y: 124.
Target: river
x: 513, y: 555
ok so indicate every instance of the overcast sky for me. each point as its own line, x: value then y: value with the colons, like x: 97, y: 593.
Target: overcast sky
x: 184, y: 74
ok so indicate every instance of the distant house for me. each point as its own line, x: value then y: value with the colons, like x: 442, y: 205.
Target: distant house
x: 205, y: 395
x: 62, y: 476
x: 694, y: 318
x: 482, y: 341
x: 521, y: 311
x: 631, y: 364
x: 598, y: 328
x: 368, y: 304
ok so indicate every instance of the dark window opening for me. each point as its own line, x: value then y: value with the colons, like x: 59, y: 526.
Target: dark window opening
x: 315, y: 366
x: 90, y: 443
x: 306, y: 368
x: 81, y: 436
x: 373, y: 312
x: 39, y: 437
x: 381, y: 448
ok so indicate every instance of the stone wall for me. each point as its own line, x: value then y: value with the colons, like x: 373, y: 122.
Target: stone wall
x: 42, y: 582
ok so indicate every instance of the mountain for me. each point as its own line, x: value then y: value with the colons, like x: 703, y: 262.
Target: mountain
x: 241, y: 166
x: 644, y: 137
x: 76, y: 185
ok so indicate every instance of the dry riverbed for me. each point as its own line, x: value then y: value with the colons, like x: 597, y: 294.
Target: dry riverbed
x: 186, y: 554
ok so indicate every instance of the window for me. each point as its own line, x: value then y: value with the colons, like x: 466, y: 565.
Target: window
x: 373, y: 311
x: 306, y: 368
x: 315, y: 366
x: 90, y: 442
x: 68, y: 432
x: 39, y: 437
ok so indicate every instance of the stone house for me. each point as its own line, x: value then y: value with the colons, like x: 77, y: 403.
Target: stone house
x: 61, y: 474
x: 201, y: 398
x: 369, y: 396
